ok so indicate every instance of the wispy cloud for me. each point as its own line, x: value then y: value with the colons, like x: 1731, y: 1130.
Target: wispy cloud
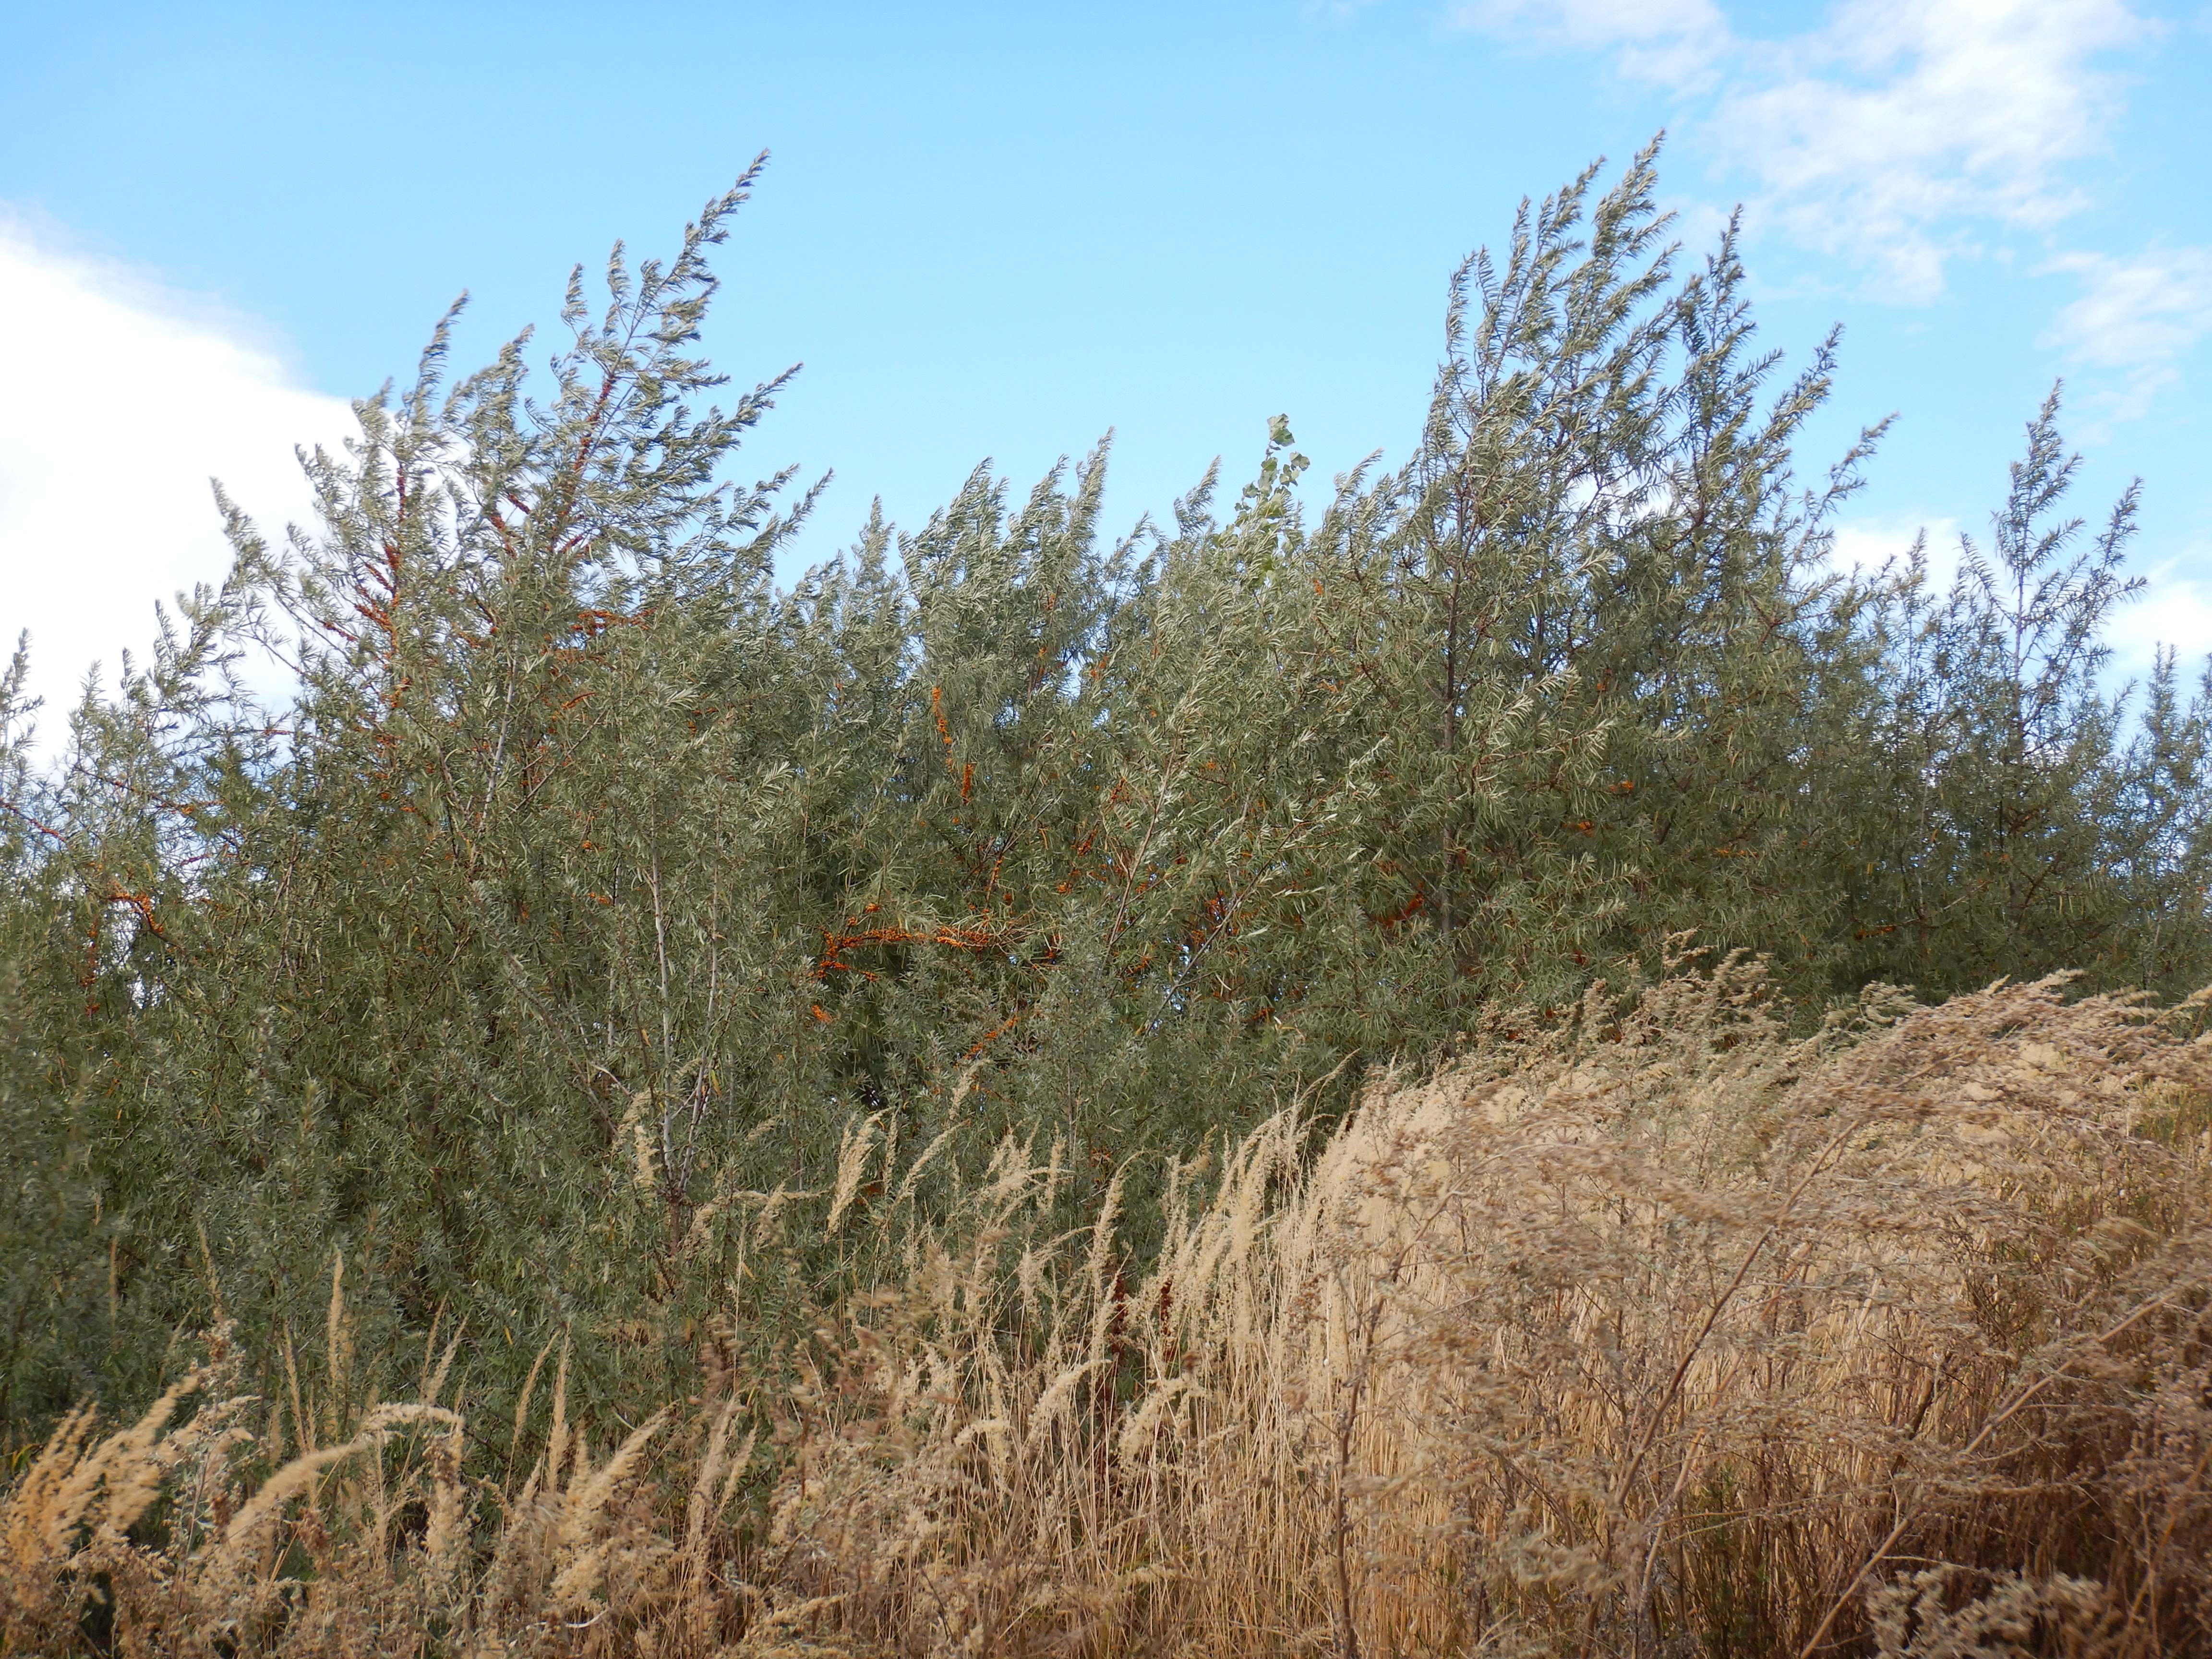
x: 1891, y: 137
x: 1888, y: 134
x: 1675, y: 43
x: 1900, y: 125
x: 121, y: 401
x: 2137, y: 315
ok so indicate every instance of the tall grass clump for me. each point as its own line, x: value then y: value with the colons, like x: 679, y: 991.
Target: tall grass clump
x: 1660, y: 1330
x: 1653, y: 1329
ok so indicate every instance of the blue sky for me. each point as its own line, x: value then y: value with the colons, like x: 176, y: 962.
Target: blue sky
x: 998, y: 231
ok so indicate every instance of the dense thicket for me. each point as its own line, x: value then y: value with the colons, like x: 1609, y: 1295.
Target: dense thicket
x: 1659, y: 1330
x: 592, y: 881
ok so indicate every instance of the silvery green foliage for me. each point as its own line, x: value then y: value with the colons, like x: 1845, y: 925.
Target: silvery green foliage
x: 2012, y: 822
x: 591, y: 886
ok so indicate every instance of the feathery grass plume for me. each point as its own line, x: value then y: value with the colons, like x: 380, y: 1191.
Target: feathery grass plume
x: 1665, y: 1325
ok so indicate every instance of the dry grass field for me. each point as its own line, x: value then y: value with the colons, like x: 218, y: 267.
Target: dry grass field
x: 1651, y: 1330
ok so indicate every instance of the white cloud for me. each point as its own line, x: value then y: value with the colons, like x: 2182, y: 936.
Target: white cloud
x: 2174, y: 609
x: 1864, y: 546
x: 2137, y: 315
x: 119, y: 404
x: 1886, y: 130
x: 1881, y: 135
x: 1674, y: 42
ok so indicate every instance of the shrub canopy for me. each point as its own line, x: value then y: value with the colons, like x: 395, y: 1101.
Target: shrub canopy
x: 589, y: 881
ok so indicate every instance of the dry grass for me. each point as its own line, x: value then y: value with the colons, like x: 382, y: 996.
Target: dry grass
x: 1645, y: 1333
